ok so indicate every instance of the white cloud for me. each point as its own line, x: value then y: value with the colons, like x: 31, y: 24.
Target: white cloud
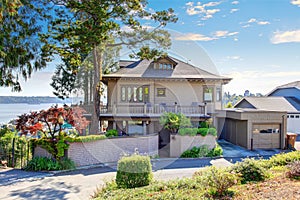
x: 234, y: 58
x: 195, y: 37
x: 282, y: 74
x: 234, y: 10
x: 296, y: 2
x: 252, y: 21
x: 204, y: 10
x: 285, y: 37
x: 224, y: 33
x: 263, y: 23
x: 235, y: 2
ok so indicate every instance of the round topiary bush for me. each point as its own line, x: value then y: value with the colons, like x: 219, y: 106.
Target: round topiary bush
x: 134, y: 171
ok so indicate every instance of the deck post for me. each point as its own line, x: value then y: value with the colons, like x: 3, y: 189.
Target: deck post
x: 176, y: 107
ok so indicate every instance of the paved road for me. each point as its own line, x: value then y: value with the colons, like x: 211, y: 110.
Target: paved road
x: 81, y: 183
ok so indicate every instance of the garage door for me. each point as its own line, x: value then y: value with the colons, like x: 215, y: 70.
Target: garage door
x: 266, y: 136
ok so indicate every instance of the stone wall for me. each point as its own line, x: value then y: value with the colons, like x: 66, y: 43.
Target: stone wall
x: 110, y: 150
x: 179, y: 144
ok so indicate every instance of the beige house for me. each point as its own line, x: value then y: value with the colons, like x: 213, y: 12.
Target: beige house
x: 141, y: 91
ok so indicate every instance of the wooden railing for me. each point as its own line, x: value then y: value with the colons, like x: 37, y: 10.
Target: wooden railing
x: 147, y: 109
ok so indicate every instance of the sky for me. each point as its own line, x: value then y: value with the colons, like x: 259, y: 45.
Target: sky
x: 254, y: 42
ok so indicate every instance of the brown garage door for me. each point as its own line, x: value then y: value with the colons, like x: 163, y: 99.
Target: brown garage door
x: 266, y: 136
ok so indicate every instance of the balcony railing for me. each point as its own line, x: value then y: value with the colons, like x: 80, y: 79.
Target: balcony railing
x: 147, y: 109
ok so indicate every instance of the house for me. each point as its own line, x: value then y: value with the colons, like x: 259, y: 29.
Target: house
x: 282, y: 98
x: 141, y: 91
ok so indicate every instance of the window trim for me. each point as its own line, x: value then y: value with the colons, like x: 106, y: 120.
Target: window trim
x: 218, y: 93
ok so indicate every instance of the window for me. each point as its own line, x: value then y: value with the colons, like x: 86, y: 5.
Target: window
x: 161, y: 92
x: 266, y: 128
x: 134, y: 93
x: 297, y: 116
x: 208, y: 94
x: 165, y: 66
x: 218, y: 94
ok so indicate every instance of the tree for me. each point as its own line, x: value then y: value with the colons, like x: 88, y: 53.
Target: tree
x: 172, y: 121
x: 50, y: 123
x: 89, y: 26
x: 22, y: 51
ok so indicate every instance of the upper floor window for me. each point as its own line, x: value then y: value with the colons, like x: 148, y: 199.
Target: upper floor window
x: 165, y: 66
x: 131, y: 93
x: 208, y: 94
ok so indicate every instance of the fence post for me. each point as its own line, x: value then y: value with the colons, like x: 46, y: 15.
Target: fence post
x: 13, y: 153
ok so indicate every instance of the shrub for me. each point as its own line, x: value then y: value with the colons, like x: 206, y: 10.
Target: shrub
x: 187, y: 131
x: 196, y: 152
x: 202, y: 131
x: 216, y: 181
x: 48, y: 164
x: 111, y: 133
x: 88, y: 138
x: 173, y: 121
x: 283, y: 159
x: 217, y: 151
x: 204, y: 124
x: 212, y: 131
x: 294, y: 170
x: 134, y: 171
x: 250, y: 170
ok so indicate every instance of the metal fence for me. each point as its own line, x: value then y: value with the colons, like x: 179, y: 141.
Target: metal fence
x: 14, y: 151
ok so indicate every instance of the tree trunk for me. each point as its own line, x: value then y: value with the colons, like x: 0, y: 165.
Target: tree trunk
x: 97, y: 88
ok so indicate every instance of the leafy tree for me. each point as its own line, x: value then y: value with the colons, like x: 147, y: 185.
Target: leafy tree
x: 22, y: 51
x: 173, y: 121
x: 90, y: 26
x: 50, y: 124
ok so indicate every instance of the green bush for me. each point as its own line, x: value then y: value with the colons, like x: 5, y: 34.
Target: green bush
x: 187, y: 131
x: 202, y: 151
x: 202, y: 131
x: 216, y: 181
x: 134, y: 171
x: 250, y: 170
x: 111, y: 133
x: 88, y: 138
x: 217, y: 151
x: 204, y: 124
x: 212, y: 131
x: 294, y: 170
x: 48, y: 164
x: 283, y: 159
x: 196, y: 152
x: 174, y: 121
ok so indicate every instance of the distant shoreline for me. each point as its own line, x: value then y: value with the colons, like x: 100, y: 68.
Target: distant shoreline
x: 36, y: 100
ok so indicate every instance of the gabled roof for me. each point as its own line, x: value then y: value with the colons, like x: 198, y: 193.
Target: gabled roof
x: 295, y: 84
x: 267, y: 103
x: 145, y: 69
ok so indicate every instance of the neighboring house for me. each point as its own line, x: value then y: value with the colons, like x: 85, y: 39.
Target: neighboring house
x: 141, y: 91
x: 283, y: 98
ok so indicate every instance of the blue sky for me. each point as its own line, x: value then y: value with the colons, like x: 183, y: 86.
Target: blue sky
x: 256, y: 42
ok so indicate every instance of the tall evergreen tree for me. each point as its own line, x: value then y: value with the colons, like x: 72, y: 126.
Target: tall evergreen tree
x: 91, y: 26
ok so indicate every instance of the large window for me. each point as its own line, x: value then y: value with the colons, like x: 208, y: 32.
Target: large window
x: 266, y: 128
x: 161, y: 92
x: 208, y: 94
x: 131, y: 93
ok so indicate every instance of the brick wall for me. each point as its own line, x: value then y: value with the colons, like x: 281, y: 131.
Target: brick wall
x: 110, y: 150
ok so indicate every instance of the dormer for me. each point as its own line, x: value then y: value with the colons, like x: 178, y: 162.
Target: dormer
x: 165, y: 63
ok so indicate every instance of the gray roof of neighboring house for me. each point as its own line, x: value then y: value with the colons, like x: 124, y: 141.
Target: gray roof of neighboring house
x: 268, y: 103
x: 145, y: 69
x: 295, y: 84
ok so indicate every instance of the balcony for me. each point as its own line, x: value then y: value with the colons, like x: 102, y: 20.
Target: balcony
x: 149, y: 110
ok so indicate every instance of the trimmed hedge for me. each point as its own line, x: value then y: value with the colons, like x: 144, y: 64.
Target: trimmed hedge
x: 202, y: 151
x: 111, y: 133
x: 195, y: 131
x: 134, y: 171
x: 88, y: 138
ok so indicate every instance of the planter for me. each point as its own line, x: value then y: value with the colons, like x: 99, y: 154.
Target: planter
x: 179, y: 144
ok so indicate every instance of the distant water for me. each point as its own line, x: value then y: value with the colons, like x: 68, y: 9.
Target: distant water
x: 12, y: 111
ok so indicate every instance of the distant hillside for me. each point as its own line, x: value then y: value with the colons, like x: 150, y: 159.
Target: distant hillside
x: 34, y: 100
